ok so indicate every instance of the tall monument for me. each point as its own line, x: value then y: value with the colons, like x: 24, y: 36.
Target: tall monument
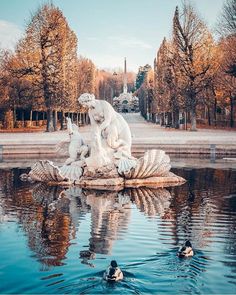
x: 126, y: 102
x: 125, y: 88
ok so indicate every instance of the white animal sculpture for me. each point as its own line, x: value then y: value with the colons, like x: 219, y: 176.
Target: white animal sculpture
x: 98, y: 155
x: 76, y: 146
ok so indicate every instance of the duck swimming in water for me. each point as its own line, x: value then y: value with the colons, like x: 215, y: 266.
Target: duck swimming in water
x: 113, y: 272
x: 186, y: 250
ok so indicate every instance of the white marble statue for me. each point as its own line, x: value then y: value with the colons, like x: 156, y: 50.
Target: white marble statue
x: 99, y: 156
x: 77, y: 145
x: 109, y: 162
x: 112, y: 125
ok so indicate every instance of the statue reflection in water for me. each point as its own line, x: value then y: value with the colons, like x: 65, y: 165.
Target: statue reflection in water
x: 110, y: 213
x: 51, y: 216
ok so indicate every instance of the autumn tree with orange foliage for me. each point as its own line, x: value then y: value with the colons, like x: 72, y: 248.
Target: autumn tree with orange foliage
x: 185, y: 71
x: 193, y: 45
x: 167, y: 86
x: 5, y: 103
x: 56, y: 43
x: 227, y: 44
x: 86, y: 76
x: 43, y: 71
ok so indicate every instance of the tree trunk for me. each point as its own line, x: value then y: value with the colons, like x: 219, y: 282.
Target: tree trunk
x: 193, y: 111
x: 176, y: 119
x: 31, y: 116
x: 215, y: 111
x: 50, y: 127
x: 62, y: 120
x: 8, y: 119
x: 231, y: 111
x: 185, y: 120
x: 55, y: 120
x: 23, y: 117
x: 193, y: 119
x: 208, y: 116
x: 37, y: 118
x: 77, y: 119
x: 14, y: 116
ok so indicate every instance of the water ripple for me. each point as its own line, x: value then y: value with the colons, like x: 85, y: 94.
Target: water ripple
x: 57, y: 240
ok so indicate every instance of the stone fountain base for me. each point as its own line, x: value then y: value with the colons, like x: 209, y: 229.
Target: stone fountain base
x: 151, y: 170
x: 165, y: 181
x: 121, y: 183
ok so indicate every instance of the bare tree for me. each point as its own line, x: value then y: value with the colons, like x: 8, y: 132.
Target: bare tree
x: 227, y: 30
x: 192, y: 48
x: 227, y: 20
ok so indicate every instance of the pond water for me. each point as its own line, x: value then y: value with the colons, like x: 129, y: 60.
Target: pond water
x: 60, y: 240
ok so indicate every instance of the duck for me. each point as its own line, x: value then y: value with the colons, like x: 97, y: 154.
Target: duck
x: 87, y: 254
x: 113, y: 272
x: 186, y: 250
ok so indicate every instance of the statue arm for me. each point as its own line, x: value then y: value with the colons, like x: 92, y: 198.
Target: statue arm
x: 92, y: 121
x: 107, y: 112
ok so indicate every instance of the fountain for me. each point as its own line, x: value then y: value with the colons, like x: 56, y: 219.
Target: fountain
x: 107, y: 162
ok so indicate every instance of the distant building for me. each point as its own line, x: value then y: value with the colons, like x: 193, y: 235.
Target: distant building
x: 126, y: 102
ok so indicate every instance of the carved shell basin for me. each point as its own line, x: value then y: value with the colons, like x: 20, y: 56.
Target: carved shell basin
x: 71, y: 172
x: 152, y: 168
x: 45, y: 171
x: 154, y: 163
x: 126, y: 165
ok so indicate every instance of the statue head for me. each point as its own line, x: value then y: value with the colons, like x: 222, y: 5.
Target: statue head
x: 87, y: 100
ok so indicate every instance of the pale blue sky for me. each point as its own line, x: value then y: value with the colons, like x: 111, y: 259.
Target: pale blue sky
x: 108, y: 30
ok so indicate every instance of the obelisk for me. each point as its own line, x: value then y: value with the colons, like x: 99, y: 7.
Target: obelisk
x: 125, y: 88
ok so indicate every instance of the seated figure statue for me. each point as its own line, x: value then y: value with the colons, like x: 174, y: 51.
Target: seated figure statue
x: 77, y: 145
x: 113, y: 127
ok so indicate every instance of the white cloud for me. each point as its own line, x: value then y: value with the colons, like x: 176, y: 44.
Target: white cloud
x: 130, y: 42
x: 10, y: 33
